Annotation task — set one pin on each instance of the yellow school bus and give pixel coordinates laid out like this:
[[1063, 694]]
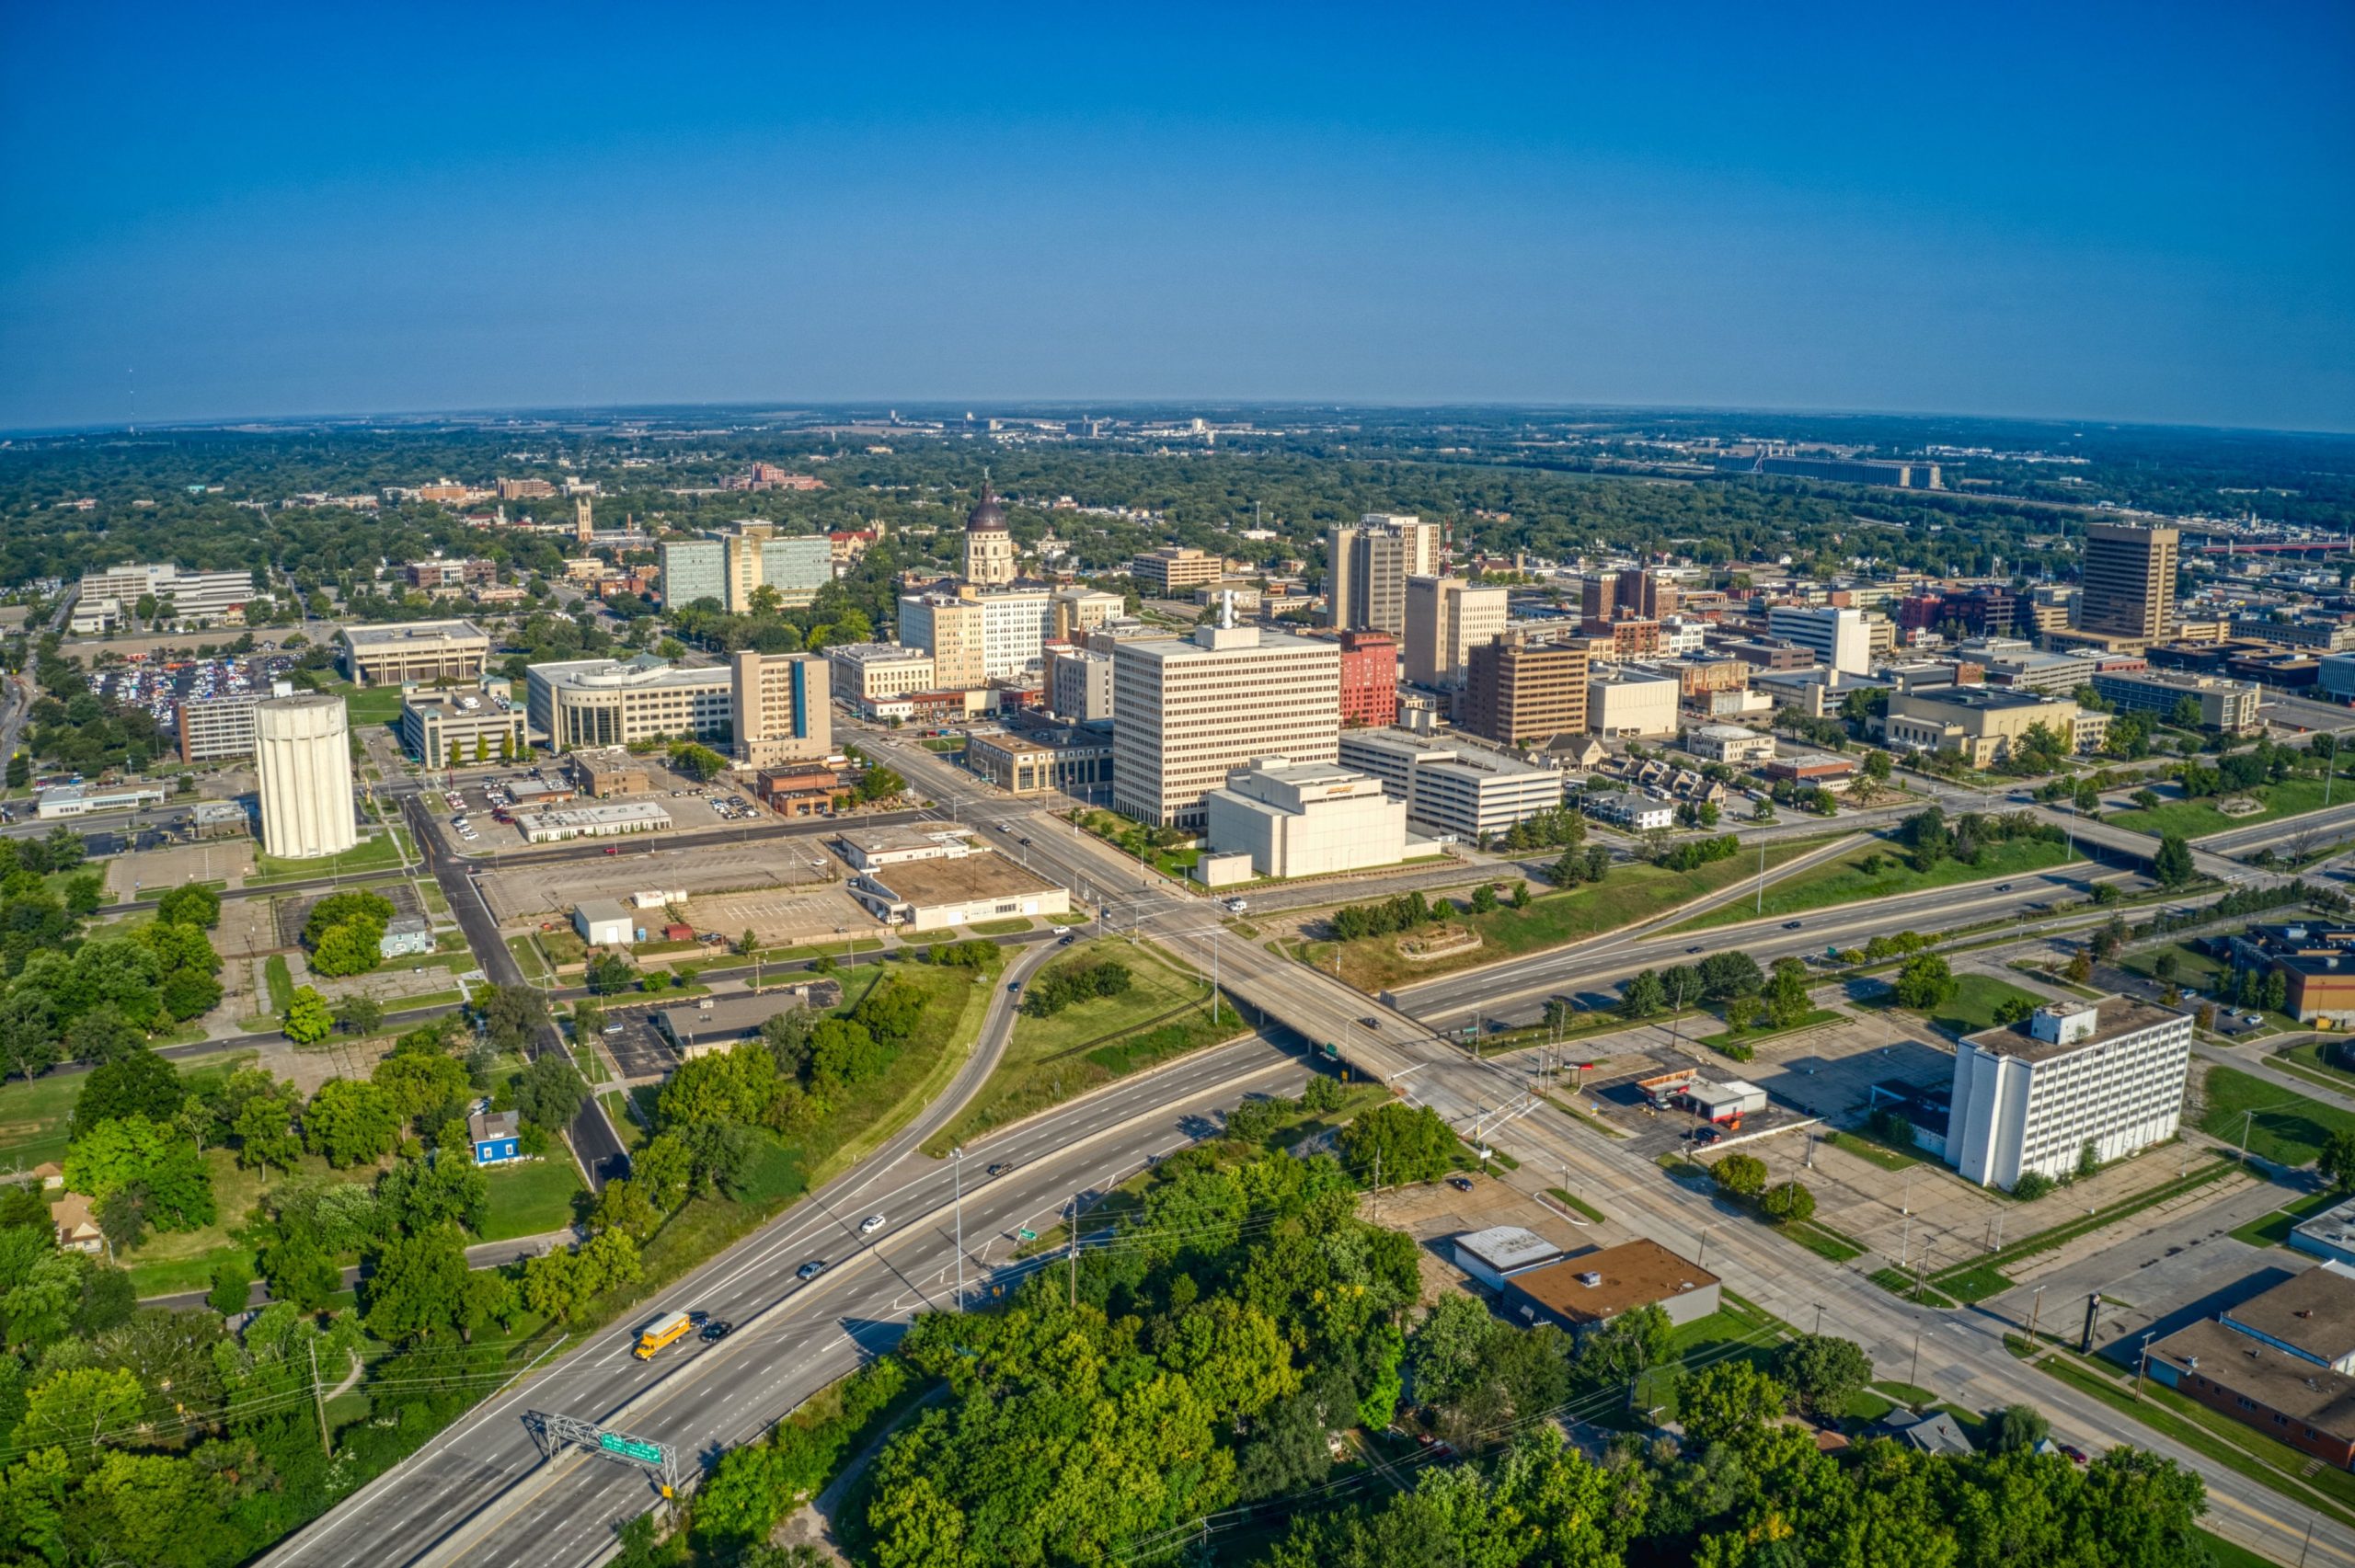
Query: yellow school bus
[[660, 1332]]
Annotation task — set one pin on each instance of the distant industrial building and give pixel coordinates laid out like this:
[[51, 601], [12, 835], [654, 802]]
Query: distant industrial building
[[1452, 785], [423, 651], [2107, 1074], [2316, 960], [603, 923], [1306, 821], [1834, 469]]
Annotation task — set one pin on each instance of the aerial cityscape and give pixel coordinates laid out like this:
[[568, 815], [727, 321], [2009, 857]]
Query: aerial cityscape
[[705, 877]]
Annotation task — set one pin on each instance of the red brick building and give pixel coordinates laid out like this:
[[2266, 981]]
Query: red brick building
[[1369, 678]]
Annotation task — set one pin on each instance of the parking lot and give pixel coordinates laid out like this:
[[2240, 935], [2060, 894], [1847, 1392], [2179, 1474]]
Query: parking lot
[[159, 866], [481, 809], [531, 892], [161, 688], [639, 1051]]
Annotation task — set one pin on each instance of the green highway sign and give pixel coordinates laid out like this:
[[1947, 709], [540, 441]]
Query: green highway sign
[[630, 1448], [1025, 1235]]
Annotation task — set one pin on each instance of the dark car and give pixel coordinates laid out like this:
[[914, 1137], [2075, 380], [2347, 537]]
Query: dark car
[[1461, 1184], [1694, 948], [811, 1269], [718, 1328], [2002, 887], [1001, 1167], [1370, 1022], [1066, 939], [1014, 985], [1793, 925], [698, 1319]]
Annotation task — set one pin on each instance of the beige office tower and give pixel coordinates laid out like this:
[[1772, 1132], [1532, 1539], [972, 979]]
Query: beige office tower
[[303, 753], [777, 708], [1189, 711], [1369, 566], [2127, 584], [1446, 619], [952, 630], [584, 519]]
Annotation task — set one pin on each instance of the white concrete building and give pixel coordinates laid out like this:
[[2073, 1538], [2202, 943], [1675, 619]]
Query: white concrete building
[[1446, 619], [878, 669], [1730, 744], [2031, 1096], [1305, 821], [591, 821], [303, 753], [895, 844], [1188, 711], [195, 598], [1452, 785], [1632, 705], [1838, 637], [1488, 1256], [60, 801], [602, 922], [1625, 809]]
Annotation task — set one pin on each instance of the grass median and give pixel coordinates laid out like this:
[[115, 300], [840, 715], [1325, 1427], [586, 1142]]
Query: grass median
[[1875, 871], [2282, 1125]]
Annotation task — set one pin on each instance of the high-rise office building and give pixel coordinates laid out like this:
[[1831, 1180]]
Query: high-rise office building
[[779, 710], [2128, 583], [978, 634], [1369, 678], [1446, 619], [1838, 637], [1645, 593], [1517, 692], [1188, 712], [729, 568], [693, 569], [1369, 566]]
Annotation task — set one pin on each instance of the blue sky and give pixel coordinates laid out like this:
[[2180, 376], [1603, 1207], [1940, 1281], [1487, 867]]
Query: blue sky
[[2141, 212]]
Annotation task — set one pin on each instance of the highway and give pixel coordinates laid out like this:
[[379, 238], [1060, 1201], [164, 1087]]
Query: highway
[[482, 1493]]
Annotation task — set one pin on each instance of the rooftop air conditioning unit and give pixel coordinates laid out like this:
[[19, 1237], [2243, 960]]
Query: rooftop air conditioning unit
[[1590, 1279]]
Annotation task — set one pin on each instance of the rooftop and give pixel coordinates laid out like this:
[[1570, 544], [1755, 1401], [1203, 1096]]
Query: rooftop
[[2321, 1398], [409, 632], [2312, 1313], [1633, 1274], [2116, 1016], [1436, 751], [1505, 1247], [1979, 697], [594, 910], [926, 883], [729, 1017]]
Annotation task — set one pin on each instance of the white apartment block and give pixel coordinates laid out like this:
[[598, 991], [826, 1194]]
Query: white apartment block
[[1452, 785], [1305, 821], [1839, 637], [1190, 711], [2030, 1097]]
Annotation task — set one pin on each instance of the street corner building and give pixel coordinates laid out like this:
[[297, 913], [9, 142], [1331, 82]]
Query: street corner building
[[2032, 1096]]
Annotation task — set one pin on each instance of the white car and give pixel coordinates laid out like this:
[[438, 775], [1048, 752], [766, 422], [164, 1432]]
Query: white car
[[872, 1223]]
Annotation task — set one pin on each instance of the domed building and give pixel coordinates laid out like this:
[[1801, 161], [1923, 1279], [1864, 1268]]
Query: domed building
[[989, 548]]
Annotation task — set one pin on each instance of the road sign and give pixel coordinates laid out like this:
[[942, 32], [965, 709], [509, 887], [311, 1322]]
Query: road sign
[[630, 1448], [1025, 1235], [1332, 1051]]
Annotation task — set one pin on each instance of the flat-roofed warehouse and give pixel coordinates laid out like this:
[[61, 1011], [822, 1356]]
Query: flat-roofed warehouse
[[939, 893], [1589, 1290], [414, 650], [715, 1023]]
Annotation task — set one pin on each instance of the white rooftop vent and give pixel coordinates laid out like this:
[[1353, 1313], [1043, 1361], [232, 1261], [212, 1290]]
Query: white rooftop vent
[[1590, 1279]]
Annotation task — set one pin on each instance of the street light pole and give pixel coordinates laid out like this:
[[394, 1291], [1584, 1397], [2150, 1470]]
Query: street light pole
[[956, 1181]]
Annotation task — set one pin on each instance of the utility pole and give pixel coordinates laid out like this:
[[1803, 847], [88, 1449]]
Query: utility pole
[[1819, 1319], [1762, 877], [2142, 1363], [1073, 1250], [319, 1402], [1914, 1377], [957, 1183], [2035, 1305]]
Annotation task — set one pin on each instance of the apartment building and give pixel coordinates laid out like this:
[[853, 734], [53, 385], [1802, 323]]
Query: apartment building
[[878, 669], [1190, 711], [693, 569], [1446, 619], [1517, 692], [2034, 1095], [414, 650], [218, 727]]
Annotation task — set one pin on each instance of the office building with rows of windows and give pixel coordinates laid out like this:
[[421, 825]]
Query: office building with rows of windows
[[2034, 1095]]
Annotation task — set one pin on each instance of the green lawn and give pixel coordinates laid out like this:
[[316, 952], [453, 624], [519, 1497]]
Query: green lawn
[[2306, 1061], [378, 854], [281, 980], [2196, 819], [1630, 895], [1866, 1146], [2286, 1129], [1972, 1005], [1846, 881], [530, 1197], [1128, 835], [2226, 1554], [1013, 925], [1813, 1018], [2274, 1230], [1163, 1013], [2192, 968], [33, 1115]]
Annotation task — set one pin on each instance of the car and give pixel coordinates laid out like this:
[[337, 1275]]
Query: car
[[718, 1328], [1694, 948], [811, 1269], [613, 848], [2252, 1017], [871, 1224], [1014, 987], [2077, 1456], [1001, 1167], [1793, 925], [2002, 887], [1065, 940], [1461, 1184], [1370, 1022], [698, 1319], [612, 1029]]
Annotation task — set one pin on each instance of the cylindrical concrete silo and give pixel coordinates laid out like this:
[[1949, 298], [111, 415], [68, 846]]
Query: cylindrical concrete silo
[[303, 750]]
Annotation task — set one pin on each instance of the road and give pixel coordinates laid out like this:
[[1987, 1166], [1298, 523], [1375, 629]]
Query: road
[[602, 1155], [1959, 1354], [2326, 825], [480, 1492]]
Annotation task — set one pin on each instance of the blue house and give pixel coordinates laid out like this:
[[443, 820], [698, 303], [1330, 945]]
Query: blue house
[[495, 1136]]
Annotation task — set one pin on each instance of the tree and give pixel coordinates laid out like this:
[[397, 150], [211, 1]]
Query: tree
[[1787, 994], [65, 848], [419, 1289], [2032, 1184], [1743, 1175], [2080, 967], [2337, 1159], [610, 973], [2014, 1010], [351, 1124], [1643, 995], [233, 1280], [1787, 1202], [140, 1084], [1823, 1372], [2017, 1429], [548, 1093], [2171, 865], [513, 1015], [1731, 974], [1727, 1402], [1923, 982], [306, 1018], [1412, 1143], [73, 1410], [165, 1176], [362, 1014], [265, 1132]]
